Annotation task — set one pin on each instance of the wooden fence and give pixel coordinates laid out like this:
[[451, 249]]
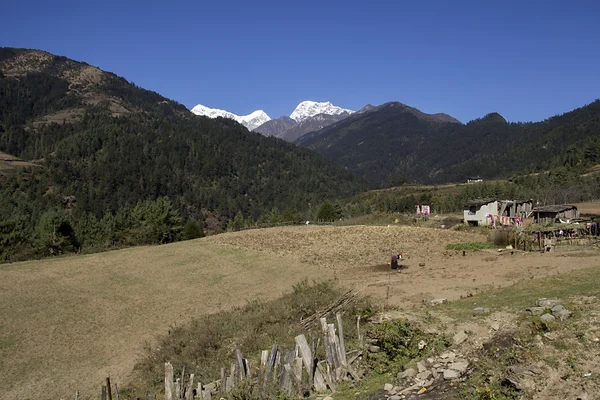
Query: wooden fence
[[293, 372]]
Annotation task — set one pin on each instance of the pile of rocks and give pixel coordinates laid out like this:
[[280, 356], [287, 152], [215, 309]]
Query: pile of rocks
[[428, 373], [549, 310]]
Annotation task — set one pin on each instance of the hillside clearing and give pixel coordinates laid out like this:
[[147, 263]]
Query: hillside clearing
[[84, 317]]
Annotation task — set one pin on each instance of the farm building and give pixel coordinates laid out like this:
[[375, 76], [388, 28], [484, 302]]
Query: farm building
[[474, 179], [564, 212], [516, 208], [476, 212]]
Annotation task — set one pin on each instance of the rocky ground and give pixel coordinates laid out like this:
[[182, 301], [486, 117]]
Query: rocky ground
[[546, 351]]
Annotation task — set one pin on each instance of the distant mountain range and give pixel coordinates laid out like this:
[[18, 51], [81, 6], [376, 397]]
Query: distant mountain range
[[250, 121], [308, 116], [392, 143]]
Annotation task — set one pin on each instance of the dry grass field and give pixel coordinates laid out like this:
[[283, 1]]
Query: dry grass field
[[10, 164], [590, 207], [66, 323]]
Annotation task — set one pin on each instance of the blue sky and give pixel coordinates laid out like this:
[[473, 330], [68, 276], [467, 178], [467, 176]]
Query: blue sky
[[527, 60]]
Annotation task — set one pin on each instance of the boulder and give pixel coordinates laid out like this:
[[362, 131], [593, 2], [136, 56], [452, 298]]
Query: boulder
[[547, 303], [450, 374], [421, 366], [409, 373], [481, 310], [560, 312], [435, 302], [448, 355], [374, 349], [424, 375], [460, 337], [460, 366], [547, 318], [535, 310], [388, 387], [557, 308]]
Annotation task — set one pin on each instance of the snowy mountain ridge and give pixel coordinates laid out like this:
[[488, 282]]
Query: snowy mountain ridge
[[250, 121], [308, 109]]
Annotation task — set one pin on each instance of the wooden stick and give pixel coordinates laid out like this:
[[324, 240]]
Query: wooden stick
[[178, 388], [116, 391], [327, 376], [360, 341], [169, 389], [223, 384], [338, 316], [103, 393], [108, 388], [292, 375], [199, 394], [189, 394], [285, 381], [241, 371]]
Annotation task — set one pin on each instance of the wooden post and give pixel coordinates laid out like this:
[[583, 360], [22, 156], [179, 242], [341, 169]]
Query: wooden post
[[76, 395], [223, 384], [199, 394], [241, 371], [247, 368], [178, 388], [103, 393], [293, 376], [272, 359], [306, 354], [360, 342], [333, 340], [338, 316], [327, 376], [189, 394], [285, 381], [328, 354], [315, 378], [116, 391], [169, 389], [108, 388]]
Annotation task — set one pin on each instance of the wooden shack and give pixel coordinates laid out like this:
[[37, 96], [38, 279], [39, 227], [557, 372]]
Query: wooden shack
[[516, 208], [555, 213]]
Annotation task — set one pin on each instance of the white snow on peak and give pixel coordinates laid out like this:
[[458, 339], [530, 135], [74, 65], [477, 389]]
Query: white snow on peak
[[250, 121], [308, 109]]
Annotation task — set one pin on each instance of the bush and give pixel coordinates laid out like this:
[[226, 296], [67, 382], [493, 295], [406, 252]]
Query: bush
[[208, 343], [399, 343]]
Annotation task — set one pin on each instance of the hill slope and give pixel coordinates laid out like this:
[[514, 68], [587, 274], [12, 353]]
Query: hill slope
[[107, 144], [391, 142]]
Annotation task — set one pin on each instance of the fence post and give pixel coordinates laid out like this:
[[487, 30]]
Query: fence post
[[169, 381], [108, 388]]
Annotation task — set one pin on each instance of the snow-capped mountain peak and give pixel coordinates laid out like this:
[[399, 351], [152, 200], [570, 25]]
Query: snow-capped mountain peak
[[250, 121], [308, 109]]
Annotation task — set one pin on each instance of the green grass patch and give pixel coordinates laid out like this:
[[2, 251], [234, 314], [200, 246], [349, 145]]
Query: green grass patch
[[524, 294], [471, 246]]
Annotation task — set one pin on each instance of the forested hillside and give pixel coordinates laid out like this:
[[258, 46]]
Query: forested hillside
[[393, 143], [118, 164]]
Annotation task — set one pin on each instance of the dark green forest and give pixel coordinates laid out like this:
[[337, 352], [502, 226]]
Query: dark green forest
[[396, 143], [154, 173], [114, 165]]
